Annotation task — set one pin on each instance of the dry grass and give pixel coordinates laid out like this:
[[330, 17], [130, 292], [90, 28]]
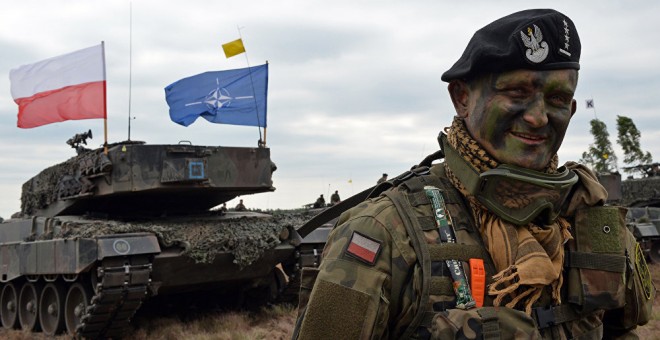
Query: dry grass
[[274, 322]]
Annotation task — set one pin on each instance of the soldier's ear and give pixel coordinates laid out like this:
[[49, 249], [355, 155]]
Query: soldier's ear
[[459, 92], [573, 107]]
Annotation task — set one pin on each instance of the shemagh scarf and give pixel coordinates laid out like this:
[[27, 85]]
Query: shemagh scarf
[[530, 257]]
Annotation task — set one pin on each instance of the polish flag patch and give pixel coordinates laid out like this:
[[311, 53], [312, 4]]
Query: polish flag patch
[[363, 248]]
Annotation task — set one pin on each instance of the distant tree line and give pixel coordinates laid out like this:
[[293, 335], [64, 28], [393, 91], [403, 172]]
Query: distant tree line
[[600, 155]]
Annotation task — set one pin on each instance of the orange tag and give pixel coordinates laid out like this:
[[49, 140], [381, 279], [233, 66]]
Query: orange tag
[[478, 280]]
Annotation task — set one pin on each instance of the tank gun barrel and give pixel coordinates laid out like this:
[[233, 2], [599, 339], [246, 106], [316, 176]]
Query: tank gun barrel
[[650, 169]]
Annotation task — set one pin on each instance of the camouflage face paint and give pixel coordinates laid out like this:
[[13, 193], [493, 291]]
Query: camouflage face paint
[[520, 117]]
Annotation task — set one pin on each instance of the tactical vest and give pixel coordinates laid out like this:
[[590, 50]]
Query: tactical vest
[[588, 264], [596, 256]]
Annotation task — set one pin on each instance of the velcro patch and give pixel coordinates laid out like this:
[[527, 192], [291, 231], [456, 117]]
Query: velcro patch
[[363, 248]]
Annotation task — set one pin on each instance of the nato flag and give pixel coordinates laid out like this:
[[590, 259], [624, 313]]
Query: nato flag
[[225, 97]]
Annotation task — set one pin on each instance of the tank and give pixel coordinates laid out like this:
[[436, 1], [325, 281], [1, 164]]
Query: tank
[[109, 229], [641, 196]]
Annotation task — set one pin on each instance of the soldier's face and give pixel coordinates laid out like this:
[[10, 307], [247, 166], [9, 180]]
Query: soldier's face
[[520, 117]]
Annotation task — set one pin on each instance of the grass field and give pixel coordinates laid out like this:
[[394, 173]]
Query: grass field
[[275, 322]]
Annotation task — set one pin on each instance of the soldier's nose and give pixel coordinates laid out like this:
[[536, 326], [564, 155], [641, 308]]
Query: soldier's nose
[[535, 115]]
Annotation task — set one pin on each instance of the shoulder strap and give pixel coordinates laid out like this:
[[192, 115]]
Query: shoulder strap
[[333, 212], [411, 224]]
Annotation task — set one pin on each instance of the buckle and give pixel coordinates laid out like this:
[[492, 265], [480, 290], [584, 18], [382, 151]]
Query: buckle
[[545, 316], [415, 171]]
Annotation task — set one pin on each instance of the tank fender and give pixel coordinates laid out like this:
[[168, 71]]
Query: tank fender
[[127, 244]]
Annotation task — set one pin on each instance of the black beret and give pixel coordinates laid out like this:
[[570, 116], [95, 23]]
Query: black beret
[[535, 39]]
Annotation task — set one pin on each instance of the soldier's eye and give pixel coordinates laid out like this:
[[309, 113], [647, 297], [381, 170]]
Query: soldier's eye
[[559, 99], [514, 92]]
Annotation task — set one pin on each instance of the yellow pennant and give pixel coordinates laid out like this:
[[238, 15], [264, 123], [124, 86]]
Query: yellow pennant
[[233, 48]]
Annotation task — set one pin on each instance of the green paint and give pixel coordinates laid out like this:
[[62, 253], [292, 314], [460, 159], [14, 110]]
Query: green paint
[[520, 117]]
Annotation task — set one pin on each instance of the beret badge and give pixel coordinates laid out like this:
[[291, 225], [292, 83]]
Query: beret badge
[[537, 49]]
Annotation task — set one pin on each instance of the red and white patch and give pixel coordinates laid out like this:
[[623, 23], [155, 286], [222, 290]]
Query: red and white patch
[[363, 248]]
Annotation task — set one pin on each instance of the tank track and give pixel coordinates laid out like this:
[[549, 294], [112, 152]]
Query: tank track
[[122, 284]]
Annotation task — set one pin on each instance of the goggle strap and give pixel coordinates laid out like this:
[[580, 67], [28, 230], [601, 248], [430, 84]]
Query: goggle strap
[[464, 171]]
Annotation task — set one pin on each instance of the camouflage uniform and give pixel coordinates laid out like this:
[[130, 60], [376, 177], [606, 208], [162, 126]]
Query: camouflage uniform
[[354, 298]]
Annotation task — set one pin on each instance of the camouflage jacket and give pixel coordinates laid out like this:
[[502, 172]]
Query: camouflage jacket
[[371, 282]]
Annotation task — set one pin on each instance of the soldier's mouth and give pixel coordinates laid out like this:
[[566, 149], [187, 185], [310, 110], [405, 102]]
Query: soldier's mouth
[[528, 138]]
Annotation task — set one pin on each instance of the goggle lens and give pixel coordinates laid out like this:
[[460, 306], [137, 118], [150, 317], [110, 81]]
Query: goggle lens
[[519, 195]]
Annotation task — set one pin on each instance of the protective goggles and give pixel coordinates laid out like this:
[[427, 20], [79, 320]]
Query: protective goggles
[[517, 195]]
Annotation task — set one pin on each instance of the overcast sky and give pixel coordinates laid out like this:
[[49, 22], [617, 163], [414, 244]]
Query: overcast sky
[[354, 86]]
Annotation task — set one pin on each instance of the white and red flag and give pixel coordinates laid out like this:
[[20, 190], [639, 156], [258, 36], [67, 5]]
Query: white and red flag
[[66, 87]]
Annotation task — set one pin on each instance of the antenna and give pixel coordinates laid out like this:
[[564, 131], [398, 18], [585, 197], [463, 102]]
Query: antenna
[[262, 142], [130, 65]]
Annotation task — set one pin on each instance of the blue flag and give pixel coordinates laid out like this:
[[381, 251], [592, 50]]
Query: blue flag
[[225, 97]]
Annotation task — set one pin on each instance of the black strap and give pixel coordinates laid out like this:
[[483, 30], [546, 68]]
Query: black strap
[[553, 315], [605, 262], [327, 215]]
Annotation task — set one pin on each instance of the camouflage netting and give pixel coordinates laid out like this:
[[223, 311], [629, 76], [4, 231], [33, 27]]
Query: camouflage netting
[[640, 190], [246, 238], [41, 190]]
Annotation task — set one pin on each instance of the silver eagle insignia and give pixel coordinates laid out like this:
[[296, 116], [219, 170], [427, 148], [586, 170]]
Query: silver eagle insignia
[[537, 49]]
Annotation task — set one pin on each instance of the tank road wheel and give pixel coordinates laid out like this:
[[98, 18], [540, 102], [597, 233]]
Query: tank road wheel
[[654, 254], [77, 300], [28, 302], [51, 309], [9, 306]]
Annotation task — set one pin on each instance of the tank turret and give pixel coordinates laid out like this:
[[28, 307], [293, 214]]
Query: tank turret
[[136, 178]]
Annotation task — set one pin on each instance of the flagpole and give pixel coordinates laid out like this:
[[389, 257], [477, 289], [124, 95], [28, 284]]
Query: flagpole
[[130, 64], [593, 106], [254, 94], [105, 103], [264, 136]]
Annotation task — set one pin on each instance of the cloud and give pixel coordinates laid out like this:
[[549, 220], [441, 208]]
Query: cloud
[[354, 91]]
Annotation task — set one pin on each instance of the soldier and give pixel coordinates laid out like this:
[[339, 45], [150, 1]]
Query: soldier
[[497, 241], [382, 179], [240, 206], [320, 202], [334, 198]]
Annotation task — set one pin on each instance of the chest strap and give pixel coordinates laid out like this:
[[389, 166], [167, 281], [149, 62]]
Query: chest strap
[[605, 262], [455, 251]]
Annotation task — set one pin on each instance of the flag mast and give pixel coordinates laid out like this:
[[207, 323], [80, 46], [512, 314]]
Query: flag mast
[[105, 103], [130, 65], [254, 95], [591, 105]]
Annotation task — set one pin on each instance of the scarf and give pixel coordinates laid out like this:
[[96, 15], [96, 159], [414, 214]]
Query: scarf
[[530, 257]]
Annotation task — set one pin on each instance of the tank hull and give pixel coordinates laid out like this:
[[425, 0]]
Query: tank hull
[[136, 260]]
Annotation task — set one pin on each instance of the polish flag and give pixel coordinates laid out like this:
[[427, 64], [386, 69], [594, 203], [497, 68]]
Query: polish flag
[[66, 87]]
